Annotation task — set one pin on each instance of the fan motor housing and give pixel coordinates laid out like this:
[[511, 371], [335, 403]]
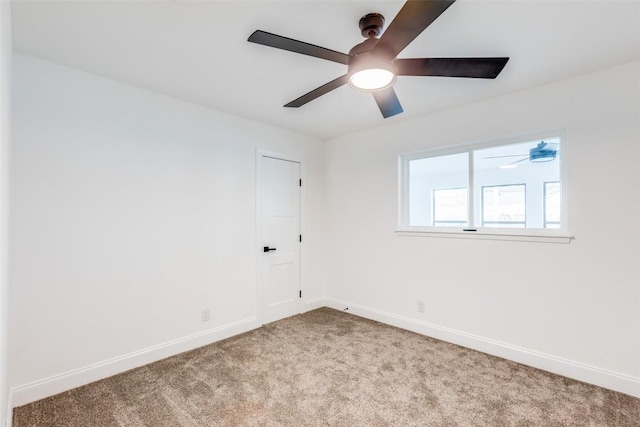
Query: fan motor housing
[[367, 59], [371, 25], [539, 156], [365, 46]]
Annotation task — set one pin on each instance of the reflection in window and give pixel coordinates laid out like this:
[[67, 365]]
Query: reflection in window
[[450, 207], [552, 204], [427, 175], [512, 184], [504, 206]]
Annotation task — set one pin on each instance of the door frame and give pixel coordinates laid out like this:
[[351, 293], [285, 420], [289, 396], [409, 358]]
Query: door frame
[[259, 300]]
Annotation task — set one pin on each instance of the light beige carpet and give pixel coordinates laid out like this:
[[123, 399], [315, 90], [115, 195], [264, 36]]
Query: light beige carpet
[[328, 368]]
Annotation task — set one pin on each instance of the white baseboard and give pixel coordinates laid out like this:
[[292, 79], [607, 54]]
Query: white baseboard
[[568, 368], [37, 390], [8, 421], [314, 304]]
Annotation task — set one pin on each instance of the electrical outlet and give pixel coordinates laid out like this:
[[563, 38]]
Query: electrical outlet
[[206, 315], [420, 306]]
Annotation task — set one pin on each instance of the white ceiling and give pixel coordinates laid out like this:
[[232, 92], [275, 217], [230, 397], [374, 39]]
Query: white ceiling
[[197, 51]]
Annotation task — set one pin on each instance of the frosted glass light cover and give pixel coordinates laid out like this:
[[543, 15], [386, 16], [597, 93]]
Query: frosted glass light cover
[[371, 79]]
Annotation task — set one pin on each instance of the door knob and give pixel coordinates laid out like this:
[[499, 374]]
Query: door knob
[[267, 249]]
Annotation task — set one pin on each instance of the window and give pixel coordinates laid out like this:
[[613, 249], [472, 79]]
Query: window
[[426, 177], [552, 205], [504, 206], [450, 207], [510, 185]]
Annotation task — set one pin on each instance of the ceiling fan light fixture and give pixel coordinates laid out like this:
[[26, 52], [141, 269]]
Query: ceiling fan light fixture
[[542, 159], [371, 64], [370, 77]]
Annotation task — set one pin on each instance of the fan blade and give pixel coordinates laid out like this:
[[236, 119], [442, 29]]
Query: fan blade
[[285, 43], [480, 68], [388, 102], [510, 155], [413, 18], [328, 87]]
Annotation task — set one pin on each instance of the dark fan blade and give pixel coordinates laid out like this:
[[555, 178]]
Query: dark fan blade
[[334, 84], [481, 68], [285, 43], [388, 102], [413, 18]]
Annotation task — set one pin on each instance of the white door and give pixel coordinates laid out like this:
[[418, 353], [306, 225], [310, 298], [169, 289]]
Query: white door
[[278, 187]]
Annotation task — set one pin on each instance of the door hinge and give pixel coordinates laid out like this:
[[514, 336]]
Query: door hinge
[[300, 237], [300, 183], [300, 294]]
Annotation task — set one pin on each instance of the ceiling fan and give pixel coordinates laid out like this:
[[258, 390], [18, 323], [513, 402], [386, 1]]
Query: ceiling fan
[[542, 152], [372, 66]]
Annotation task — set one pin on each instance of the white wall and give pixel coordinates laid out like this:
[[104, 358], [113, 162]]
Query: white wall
[[6, 49], [572, 309], [132, 212]]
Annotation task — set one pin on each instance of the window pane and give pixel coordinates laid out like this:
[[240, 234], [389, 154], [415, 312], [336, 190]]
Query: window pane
[[504, 206], [450, 207], [552, 205], [528, 163], [517, 184], [435, 173]]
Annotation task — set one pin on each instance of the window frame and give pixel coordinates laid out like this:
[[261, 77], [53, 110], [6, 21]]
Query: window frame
[[545, 235]]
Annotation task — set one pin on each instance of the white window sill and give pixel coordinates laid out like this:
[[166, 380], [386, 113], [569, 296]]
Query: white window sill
[[485, 234]]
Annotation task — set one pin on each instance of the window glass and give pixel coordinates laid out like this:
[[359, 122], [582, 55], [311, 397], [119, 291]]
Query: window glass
[[450, 207], [504, 206], [552, 205], [430, 174], [514, 184]]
